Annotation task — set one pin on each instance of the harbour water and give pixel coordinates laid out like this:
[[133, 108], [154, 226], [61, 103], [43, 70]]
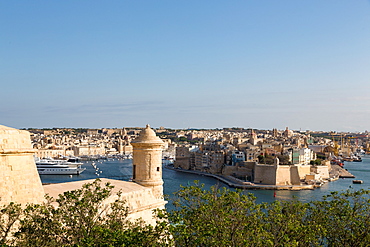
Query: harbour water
[[122, 170]]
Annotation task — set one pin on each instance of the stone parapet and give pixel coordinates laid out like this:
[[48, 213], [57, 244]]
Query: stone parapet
[[19, 179], [13, 141], [140, 200]]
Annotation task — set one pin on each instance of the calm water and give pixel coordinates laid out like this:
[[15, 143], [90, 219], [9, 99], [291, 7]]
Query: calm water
[[122, 170]]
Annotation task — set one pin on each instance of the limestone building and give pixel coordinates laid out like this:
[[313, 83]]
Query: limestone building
[[21, 183], [182, 157], [19, 179], [147, 161], [276, 174]]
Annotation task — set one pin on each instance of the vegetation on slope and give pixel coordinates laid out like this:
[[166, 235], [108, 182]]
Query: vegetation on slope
[[215, 217]]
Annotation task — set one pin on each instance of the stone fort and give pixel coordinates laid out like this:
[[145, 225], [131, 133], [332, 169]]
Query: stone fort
[[20, 182]]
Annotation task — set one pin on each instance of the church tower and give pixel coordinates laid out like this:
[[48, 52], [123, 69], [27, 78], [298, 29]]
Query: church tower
[[253, 138], [147, 161]]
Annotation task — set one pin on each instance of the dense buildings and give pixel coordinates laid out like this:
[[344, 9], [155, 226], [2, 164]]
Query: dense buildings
[[279, 157], [274, 157]]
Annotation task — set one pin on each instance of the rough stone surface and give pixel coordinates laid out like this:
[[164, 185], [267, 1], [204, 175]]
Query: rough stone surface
[[140, 200], [147, 161], [19, 179], [278, 174]]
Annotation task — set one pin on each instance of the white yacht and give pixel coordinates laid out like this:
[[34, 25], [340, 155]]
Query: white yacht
[[58, 167]]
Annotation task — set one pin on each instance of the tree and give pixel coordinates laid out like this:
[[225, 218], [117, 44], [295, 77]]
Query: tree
[[221, 217], [288, 224], [343, 218], [284, 159], [316, 162], [266, 159], [81, 218], [215, 217], [9, 217]]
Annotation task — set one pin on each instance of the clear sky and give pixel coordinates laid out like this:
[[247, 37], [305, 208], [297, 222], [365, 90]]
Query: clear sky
[[186, 64]]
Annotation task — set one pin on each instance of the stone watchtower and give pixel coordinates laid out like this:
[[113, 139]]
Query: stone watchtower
[[19, 179], [147, 161]]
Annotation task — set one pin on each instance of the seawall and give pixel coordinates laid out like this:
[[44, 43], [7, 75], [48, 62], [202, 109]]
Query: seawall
[[236, 183], [340, 172]]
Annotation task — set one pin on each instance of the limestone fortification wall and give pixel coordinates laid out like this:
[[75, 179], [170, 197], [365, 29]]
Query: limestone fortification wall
[[265, 174], [19, 179], [303, 170], [323, 171], [283, 175], [237, 170], [295, 178], [229, 170], [277, 174], [140, 200]]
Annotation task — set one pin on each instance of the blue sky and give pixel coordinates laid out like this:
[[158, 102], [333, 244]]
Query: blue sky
[[186, 64]]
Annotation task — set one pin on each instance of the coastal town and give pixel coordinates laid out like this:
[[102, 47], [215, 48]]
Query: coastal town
[[242, 158]]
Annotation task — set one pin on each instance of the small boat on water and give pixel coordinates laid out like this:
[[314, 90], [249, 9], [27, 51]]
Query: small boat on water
[[338, 162], [58, 167], [354, 157], [357, 159], [357, 181]]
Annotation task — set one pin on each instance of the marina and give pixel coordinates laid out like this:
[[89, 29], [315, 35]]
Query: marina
[[121, 169]]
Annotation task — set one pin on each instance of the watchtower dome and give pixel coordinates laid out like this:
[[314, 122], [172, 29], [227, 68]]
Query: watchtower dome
[[147, 161]]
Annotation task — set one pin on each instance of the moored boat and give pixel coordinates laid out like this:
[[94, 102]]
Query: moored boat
[[357, 181], [357, 159], [58, 167], [337, 161]]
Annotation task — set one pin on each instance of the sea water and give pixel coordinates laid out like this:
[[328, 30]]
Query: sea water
[[122, 170]]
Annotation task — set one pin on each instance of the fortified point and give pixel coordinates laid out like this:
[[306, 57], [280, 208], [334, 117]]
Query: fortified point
[[19, 179], [20, 182]]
